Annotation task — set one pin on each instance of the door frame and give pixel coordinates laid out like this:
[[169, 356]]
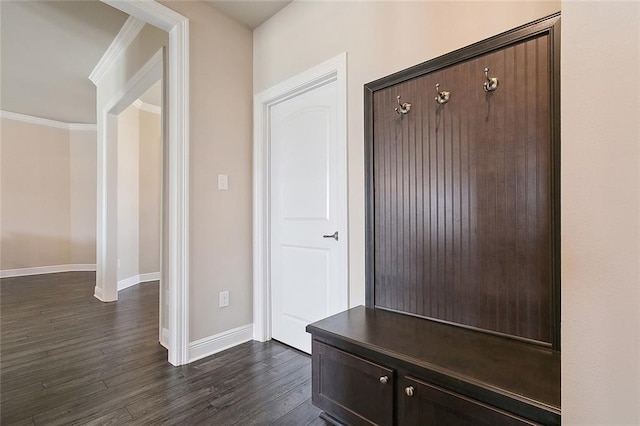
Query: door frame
[[335, 69], [177, 264]]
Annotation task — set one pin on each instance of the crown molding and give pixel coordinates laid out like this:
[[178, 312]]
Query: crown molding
[[142, 106], [123, 39], [46, 122]]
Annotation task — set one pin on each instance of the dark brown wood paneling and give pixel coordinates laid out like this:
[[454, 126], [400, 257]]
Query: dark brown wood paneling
[[463, 195]]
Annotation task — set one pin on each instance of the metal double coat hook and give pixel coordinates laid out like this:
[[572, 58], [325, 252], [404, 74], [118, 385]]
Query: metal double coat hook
[[403, 108], [442, 96]]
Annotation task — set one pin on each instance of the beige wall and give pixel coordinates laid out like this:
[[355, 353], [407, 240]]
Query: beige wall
[[601, 213], [35, 195], [128, 193], [139, 187], [82, 196], [150, 184], [379, 38], [48, 195], [220, 142]]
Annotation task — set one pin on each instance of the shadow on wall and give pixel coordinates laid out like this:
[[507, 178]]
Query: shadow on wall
[[27, 250]]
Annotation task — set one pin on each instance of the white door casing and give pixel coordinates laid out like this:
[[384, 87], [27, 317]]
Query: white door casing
[[300, 194], [177, 171]]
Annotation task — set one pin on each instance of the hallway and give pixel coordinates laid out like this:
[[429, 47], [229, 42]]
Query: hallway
[[68, 358]]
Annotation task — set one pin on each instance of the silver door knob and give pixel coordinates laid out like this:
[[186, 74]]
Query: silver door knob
[[409, 390], [384, 380], [334, 236]]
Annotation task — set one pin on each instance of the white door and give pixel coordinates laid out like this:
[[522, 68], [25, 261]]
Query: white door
[[308, 207]]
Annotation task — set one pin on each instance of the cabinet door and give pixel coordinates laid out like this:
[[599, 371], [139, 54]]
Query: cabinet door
[[424, 404], [351, 389]]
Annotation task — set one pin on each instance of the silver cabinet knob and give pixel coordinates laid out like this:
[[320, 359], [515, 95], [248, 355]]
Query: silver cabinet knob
[[409, 390], [384, 380]]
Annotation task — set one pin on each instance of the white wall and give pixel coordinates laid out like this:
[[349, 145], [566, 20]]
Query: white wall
[[128, 193], [601, 213], [150, 188]]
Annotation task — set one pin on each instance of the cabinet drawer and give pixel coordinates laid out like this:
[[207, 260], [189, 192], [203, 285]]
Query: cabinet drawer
[[431, 405], [354, 390]]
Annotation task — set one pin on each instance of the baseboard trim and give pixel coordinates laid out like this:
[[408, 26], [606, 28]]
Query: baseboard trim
[[98, 294], [39, 270], [164, 338], [219, 342], [137, 279]]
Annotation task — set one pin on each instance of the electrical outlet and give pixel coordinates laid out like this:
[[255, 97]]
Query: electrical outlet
[[118, 263], [224, 299]]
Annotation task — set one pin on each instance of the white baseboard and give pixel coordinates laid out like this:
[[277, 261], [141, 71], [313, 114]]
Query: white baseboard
[[137, 279], [164, 338], [219, 342], [98, 294], [52, 269]]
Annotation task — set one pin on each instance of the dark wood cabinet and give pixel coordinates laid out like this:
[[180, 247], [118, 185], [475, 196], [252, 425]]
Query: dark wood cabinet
[[354, 389], [421, 403]]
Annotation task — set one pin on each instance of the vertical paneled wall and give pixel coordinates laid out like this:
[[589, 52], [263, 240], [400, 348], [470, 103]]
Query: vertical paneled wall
[[462, 194]]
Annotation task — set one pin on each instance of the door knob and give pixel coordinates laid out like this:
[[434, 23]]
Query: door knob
[[384, 380], [334, 236], [409, 390]]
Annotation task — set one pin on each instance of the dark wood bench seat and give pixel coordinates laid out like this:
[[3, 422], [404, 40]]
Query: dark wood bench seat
[[510, 375]]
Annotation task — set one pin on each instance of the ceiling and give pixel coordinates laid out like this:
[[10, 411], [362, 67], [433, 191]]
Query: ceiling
[[250, 13], [48, 50]]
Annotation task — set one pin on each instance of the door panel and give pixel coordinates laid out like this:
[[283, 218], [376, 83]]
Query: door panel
[[308, 272], [304, 164], [307, 280]]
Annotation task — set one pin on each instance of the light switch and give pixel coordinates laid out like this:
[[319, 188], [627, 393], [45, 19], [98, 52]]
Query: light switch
[[223, 182]]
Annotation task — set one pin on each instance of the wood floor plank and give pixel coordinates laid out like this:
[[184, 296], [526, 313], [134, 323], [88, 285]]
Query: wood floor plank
[[279, 407], [112, 418], [67, 358], [303, 414]]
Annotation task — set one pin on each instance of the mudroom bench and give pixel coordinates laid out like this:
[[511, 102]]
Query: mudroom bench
[[372, 366]]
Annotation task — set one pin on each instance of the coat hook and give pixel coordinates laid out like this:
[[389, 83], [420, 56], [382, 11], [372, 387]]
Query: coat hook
[[491, 83], [403, 108], [443, 97]]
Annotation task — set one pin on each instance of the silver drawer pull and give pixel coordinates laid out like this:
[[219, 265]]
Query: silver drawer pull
[[384, 380], [409, 390], [334, 236]]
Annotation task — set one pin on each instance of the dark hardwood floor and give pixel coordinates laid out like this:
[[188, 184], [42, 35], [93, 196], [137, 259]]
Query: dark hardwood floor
[[67, 358]]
